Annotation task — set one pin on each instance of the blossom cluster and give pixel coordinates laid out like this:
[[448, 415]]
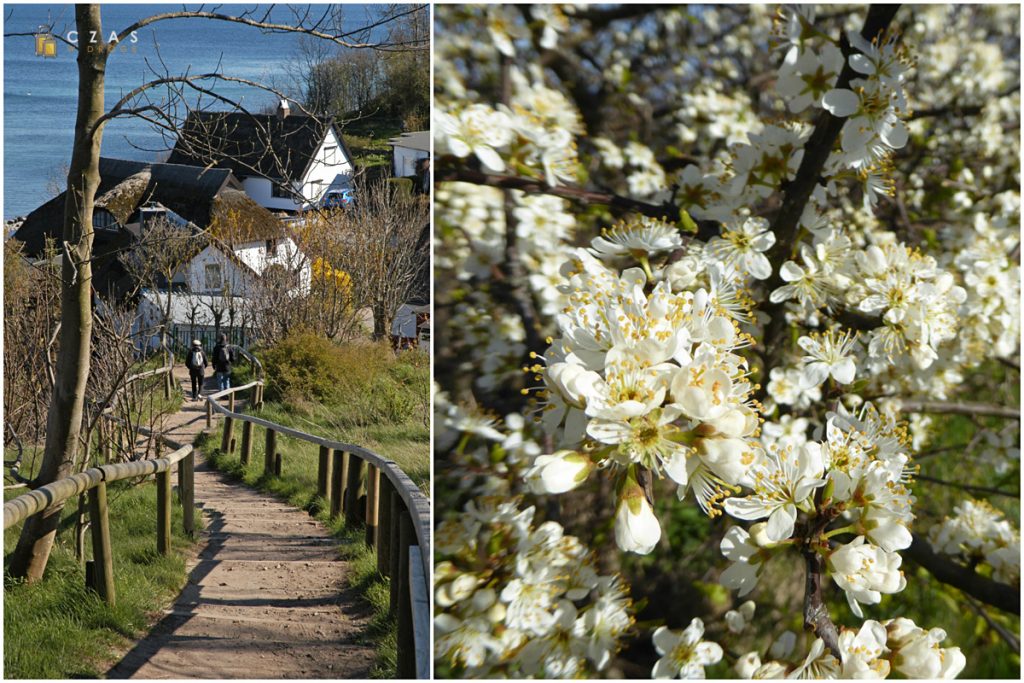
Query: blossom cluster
[[518, 599], [977, 532], [875, 650], [644, 379]]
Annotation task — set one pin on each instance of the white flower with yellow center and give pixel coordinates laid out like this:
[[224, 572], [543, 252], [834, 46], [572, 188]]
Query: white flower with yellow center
[[782, 482], [741, 249], [829, 355], [639, 237], [864, 572], [684, 654]]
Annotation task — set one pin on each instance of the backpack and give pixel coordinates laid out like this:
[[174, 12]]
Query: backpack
[[223, 356], [197, 359]]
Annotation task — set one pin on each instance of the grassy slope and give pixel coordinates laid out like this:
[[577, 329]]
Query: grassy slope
[[59, 629], [406, 441]]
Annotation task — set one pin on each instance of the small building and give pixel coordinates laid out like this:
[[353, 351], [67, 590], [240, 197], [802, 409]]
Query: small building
[[410, 157], [411, 325], [285, 161]]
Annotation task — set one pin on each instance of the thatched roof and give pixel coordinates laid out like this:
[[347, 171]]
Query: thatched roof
[[205, 197], [235, 218], [253, 144]]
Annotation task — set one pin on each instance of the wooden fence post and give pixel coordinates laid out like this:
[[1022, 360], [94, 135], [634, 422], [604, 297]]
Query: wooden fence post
[[339, 471], [323, 474], [277, 463], [229, 428], [167, 385], [354, 479], [209, 414], [384, 526], [270, 448], [246, 455], [406, 639], [397, 510], [231, 402], [372, 489], [163, 512], [103, 561], [188, 493]]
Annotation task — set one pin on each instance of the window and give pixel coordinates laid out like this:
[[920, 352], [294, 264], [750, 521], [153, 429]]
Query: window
[[331, 155], [213, 277], [280, 191], [103, 220], [316, 187]]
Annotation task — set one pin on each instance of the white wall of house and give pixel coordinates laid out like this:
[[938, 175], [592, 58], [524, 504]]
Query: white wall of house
[[331, 168], [404, 160], [260, 190], [283, 251], [199, 274]]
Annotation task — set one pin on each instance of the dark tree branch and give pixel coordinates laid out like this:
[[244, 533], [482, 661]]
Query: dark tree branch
[[960, 408], [247, 19], [1000, 595], [968, 487], [1005, 634], [798, 192], [447, 172], [816, 616], [955, 109]]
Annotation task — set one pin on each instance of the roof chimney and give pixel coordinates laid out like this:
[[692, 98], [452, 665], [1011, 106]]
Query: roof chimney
[[283, 109]]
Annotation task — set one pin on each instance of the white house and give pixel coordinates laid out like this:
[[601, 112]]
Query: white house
[[235, 270], [285, 161], [406, 150]]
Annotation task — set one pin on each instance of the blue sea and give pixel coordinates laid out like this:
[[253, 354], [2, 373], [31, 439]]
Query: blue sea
[[40, 93]]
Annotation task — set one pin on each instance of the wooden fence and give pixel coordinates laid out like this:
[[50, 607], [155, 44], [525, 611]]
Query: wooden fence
[[100, 575], [368, 490]]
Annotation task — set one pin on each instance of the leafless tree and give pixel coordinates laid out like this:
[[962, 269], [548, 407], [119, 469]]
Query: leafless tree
[[382, 247]]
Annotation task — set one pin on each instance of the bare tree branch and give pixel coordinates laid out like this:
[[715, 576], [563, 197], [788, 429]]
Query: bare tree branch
[[1000, 595], [958, 408]]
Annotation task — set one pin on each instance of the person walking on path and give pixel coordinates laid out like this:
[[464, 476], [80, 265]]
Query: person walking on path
[[196, 362], [222, 360]]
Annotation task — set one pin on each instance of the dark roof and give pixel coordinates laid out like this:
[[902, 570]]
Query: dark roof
[[419, 140], [253, 144], [208, 198]]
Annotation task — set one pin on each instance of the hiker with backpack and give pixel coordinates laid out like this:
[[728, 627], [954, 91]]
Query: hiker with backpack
[[196, 362], [222, 360]]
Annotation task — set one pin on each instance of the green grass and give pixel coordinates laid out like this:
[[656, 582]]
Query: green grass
[[57, 628]]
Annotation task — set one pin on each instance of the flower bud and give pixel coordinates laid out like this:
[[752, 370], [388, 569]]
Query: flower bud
[[557, 473], [636, 527]]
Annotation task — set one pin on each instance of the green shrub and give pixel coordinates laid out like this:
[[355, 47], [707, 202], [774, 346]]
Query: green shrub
[[362, 383], [301, 367]]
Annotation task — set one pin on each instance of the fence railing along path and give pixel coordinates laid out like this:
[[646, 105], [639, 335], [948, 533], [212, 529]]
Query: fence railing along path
[[369, 490]]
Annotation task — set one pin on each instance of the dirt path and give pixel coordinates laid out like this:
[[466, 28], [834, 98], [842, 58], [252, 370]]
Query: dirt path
[[265, 597]]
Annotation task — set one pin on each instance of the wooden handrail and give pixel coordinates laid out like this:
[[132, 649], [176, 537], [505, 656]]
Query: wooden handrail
[[24, 506]]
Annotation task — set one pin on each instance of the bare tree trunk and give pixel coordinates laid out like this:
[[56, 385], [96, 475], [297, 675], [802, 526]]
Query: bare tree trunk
[[64, 418]]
